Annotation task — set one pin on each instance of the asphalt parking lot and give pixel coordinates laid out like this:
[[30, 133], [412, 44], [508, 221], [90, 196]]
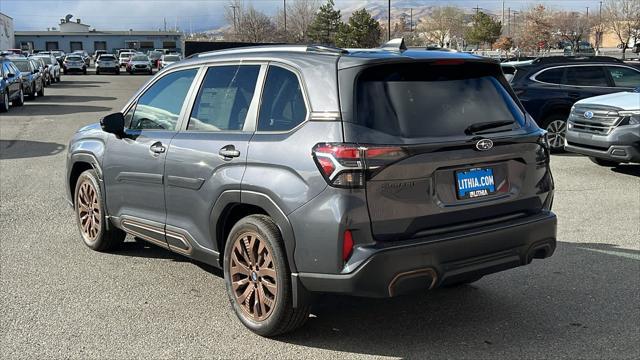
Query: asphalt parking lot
[[60, 299]]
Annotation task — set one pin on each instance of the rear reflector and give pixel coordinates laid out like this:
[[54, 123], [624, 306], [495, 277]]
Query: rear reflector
[[347, 245]]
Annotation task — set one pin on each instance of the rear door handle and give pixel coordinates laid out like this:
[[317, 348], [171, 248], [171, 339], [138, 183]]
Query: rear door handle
[[157, 148], [229, 152], [574, 95]]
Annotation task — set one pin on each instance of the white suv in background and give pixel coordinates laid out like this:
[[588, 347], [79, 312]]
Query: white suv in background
[[124, 58], [606, 128]]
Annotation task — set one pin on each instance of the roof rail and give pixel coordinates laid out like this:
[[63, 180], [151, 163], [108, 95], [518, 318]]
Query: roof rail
[[327, 49], [396, 44], [561, 59], [272, 48]]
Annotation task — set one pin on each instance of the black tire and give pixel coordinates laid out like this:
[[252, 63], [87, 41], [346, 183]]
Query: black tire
[[20, 100], [4, 105], [282, 316], [84, 71], [150, 72], [118, 71], [99, 238], [32, 94], [603, 162], [97, 71], [65, 71], [463, 281], [556, 127], [58, 78], [41, 92]]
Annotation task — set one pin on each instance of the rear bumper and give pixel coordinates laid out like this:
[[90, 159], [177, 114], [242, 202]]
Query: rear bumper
[[428, 263]]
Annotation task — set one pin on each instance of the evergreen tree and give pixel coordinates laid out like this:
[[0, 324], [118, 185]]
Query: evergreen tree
[[484, 29], [324, 28], [362, 31]]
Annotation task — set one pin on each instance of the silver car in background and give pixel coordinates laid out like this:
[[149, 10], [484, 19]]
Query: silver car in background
[[167, 60], [52, 66], [606, 128], [107, 62]]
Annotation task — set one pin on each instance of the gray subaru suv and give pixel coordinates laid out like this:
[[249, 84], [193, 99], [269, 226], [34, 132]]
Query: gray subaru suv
[[303, 170]]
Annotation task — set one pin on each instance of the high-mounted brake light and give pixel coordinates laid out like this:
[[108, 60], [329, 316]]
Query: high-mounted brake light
[[448, 62], [348, 165]]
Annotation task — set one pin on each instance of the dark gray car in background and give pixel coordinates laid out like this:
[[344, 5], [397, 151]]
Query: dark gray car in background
[[302, 170]]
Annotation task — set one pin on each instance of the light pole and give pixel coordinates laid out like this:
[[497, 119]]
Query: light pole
[[389, 22], [285, 14], [235, 29]]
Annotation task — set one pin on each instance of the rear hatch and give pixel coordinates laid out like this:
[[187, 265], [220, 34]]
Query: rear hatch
[[445, 147]]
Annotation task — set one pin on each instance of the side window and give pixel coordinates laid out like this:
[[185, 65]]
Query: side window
[[624, 77], [224, 98], [586, 76], [8, 69], [159, 107], [551, 76], [282, 106]]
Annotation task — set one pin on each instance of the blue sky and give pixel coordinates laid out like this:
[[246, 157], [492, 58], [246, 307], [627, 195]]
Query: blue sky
[[203, 14]]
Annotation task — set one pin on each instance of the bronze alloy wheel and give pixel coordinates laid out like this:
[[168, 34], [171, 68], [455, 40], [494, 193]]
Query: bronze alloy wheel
[[88, 208], [253, 276]]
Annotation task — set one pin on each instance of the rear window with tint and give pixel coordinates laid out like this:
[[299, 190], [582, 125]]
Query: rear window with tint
[[107, 57], [586, 76], [73, 58], [418, 100], [552, 76]]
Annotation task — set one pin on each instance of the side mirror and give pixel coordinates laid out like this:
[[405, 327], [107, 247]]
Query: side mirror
[[113, 123], [10, 75]]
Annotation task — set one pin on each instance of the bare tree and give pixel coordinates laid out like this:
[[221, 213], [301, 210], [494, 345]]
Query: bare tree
[[623, 19], [572, 27], [300, 15], [249, 24], [534, 29], [444, 24]]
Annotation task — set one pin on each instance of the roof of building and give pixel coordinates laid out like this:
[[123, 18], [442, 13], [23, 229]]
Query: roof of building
[[97, 33]]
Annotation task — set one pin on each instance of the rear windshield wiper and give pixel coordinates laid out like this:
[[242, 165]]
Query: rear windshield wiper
[[474, 128]]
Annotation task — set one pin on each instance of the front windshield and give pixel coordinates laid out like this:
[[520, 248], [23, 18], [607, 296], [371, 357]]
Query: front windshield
[[140, 58], [22, 65], [47, 60]]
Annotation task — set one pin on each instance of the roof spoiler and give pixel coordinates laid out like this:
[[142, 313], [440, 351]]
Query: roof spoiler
[[396, 44]]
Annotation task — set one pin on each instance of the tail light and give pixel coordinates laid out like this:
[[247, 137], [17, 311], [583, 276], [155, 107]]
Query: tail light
[[349, 165]]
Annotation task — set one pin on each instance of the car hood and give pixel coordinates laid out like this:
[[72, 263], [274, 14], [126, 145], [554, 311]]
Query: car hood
[[623, 100]]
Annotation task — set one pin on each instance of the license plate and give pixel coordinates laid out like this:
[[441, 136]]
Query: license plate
[[474, 183]]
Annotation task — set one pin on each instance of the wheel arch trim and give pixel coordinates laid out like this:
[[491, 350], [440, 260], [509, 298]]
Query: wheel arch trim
[[263, 201]]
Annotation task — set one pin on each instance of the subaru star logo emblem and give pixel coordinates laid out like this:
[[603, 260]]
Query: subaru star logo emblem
[[588, 114], [484, 144]]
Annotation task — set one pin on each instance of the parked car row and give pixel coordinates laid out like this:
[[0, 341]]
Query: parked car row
[[23, 77], [587, 105]]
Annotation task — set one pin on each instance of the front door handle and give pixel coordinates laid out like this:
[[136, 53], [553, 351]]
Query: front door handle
[[229, 152], [157, 148]]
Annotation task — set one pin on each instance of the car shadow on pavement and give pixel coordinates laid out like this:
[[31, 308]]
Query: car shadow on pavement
[[73, 98], [21, 149], [143, 249], [536, 311], [69, 85], [34, 109], [633, 170], [79, 82]]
